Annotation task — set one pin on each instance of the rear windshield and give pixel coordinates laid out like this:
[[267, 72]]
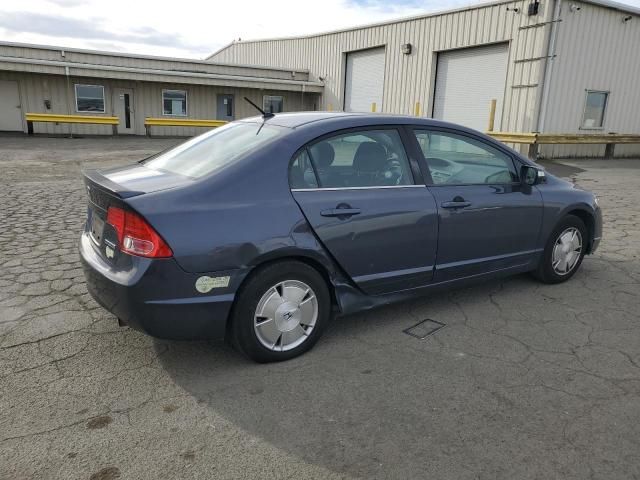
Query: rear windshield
[[215, 149]]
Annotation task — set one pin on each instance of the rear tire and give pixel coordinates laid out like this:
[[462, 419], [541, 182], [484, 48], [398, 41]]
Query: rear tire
[[280, 312], [563, 252]]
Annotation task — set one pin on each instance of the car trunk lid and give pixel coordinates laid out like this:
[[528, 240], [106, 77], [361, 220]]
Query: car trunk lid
[[112, 188]]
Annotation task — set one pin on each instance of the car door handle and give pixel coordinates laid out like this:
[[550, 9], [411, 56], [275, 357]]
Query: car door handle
[[340, 212], [455, 204]]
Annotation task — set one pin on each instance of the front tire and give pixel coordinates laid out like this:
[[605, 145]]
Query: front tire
[[564, 251], [280, 312]]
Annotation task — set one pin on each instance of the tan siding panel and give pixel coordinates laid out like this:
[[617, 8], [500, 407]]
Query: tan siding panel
[[201, 102]]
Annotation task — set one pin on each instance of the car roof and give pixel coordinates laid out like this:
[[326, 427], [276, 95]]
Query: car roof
[[315, 124], [343, 119]]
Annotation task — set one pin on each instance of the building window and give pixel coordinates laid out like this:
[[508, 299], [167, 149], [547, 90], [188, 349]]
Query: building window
[[272, 103], [594, 109], [174, 102], [89, 98]]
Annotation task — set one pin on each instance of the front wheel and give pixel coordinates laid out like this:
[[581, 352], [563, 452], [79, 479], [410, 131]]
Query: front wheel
[[563, 252], [280, 312]]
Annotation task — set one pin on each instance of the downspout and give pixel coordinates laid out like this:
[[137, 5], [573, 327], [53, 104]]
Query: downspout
[[68, 89], [551, 55]]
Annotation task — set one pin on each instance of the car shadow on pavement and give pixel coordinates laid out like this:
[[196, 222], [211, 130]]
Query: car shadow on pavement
[[371, 401]]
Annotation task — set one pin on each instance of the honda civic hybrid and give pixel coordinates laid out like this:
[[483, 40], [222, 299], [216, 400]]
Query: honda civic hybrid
[[263, 230]]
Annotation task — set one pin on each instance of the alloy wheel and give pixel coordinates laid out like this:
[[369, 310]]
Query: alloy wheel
[[285, 315], [567, 251]]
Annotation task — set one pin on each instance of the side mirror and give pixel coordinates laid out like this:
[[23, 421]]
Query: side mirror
[[531, 175]]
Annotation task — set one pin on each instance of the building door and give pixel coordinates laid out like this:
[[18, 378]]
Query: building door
[[466, 82], [10, 109], [225, 108], [364, 80], [123, 109]]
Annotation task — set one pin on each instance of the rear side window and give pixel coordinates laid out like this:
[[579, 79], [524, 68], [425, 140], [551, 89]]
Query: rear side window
[[215, 149], [455, 159], [301, 173], [371, 158]]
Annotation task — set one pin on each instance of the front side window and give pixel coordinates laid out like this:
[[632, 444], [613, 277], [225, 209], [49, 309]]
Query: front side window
[[371, 158], [594, 108], [272, 103], [90, 98], [455, 159], [174, 102], [215, 149]]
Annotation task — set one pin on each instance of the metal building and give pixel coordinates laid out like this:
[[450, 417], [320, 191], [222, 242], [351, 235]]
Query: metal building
[[133, 88], [555, 66]]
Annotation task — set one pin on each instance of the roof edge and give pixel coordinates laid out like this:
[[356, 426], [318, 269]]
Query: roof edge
[[146, 57]]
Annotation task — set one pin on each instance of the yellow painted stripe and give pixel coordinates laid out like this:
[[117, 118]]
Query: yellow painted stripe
[[49, 117], [564, 138], [509, 137], [587, 138], [182, 122]]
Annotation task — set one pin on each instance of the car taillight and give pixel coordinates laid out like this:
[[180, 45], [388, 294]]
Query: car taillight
[[135, 235]]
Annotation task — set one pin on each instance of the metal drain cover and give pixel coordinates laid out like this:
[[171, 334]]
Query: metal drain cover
[[424, 328]]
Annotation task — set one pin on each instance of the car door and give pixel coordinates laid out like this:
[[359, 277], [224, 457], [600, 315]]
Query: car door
[[357, 190], [488, 220]]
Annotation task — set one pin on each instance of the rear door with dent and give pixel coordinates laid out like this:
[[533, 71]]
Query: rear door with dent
[[362, 193]]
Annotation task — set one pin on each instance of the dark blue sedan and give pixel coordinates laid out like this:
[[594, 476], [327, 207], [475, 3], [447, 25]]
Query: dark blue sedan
[[262, 230]]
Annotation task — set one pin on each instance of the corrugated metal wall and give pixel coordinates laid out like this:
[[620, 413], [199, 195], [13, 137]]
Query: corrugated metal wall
[[596, 50], [147, 101], [410, 78]]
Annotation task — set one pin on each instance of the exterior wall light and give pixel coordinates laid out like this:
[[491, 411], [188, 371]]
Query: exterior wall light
[[406, 48]]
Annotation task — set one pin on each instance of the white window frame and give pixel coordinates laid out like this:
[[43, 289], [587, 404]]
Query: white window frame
[[264, 98], [604, 113], [104, 98], [186, 103]]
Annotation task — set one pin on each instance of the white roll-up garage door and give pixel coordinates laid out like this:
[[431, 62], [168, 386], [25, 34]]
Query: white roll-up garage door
[[364, 81], [466, 82]]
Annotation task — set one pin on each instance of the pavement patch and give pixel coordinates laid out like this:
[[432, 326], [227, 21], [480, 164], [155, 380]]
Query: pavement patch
[[424, 328]]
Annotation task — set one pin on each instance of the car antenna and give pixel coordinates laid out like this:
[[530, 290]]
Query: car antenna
[[265, 115]]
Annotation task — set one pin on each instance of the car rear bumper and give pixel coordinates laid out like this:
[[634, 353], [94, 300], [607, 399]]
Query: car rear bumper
[[158, 297]]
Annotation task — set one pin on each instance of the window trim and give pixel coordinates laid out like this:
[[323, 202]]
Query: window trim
[[604, 113], [517, 164], [317, 189], [264, 97], [399, 128], [104, 98], [186, 103]]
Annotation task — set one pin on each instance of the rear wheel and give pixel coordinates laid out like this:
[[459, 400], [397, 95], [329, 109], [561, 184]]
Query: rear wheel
[[280, 312], [563, 252]]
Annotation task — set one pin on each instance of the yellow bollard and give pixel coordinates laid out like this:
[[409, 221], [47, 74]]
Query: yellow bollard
[[492, 114], [416, 110], [373, 107]]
